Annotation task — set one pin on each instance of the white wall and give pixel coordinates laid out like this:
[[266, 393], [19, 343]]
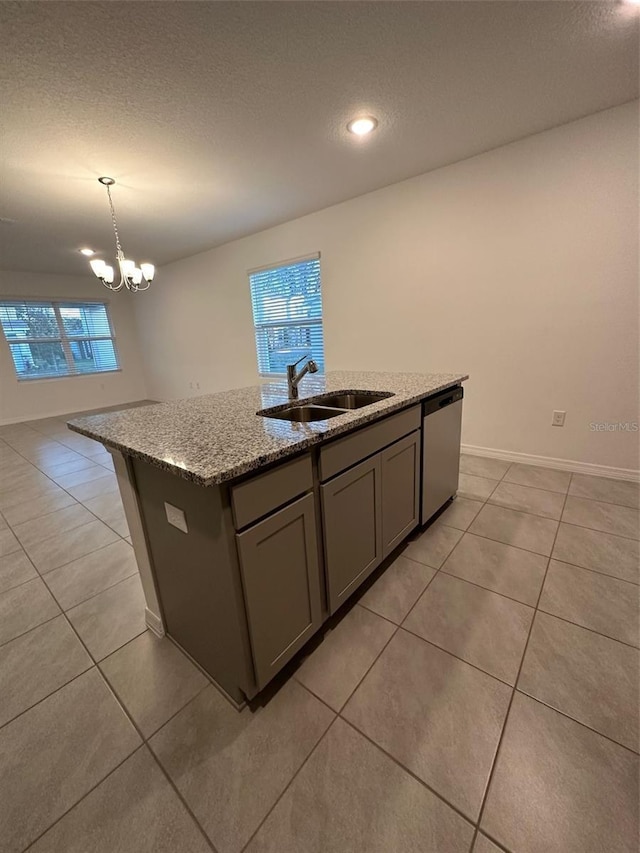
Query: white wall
[[519, 266], [39, 398]]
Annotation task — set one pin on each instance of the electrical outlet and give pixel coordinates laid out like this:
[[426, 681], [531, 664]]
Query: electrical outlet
[[558, 419], [176, 517]]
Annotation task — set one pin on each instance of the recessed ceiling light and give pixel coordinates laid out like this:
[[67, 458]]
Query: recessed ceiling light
[[363, 125], [87, 252]]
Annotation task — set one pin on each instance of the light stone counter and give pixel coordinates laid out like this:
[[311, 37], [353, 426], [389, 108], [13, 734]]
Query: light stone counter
[[218, 437]]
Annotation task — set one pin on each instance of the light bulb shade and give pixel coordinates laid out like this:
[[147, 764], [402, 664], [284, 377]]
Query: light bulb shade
[[136, 275], [148, 271], [107, 274], [98, 266], [127, 267]]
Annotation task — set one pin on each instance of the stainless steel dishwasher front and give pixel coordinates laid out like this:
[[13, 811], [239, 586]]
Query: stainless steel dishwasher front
[[441, 426]]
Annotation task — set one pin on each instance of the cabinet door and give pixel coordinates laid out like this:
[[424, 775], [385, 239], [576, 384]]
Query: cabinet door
[[352, 516], [281, 579], [400, 490]]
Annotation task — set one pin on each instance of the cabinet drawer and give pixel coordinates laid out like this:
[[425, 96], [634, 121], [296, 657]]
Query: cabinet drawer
[[267, 492], [344, 452], [281, 580]]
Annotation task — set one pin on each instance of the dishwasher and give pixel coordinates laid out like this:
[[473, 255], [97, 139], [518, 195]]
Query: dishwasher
[[441, 425]]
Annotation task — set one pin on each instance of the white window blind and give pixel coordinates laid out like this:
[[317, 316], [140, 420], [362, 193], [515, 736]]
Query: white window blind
[[287, 314], [51, 339]]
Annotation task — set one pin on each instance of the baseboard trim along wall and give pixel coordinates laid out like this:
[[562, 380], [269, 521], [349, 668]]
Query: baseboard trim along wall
[[153, 622], [550, 462]]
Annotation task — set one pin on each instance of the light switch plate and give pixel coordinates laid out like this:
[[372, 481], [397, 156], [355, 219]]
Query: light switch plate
[[176, 517]]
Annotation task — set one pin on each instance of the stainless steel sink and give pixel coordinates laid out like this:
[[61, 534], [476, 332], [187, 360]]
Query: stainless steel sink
[[303, 414], [352, 401], [326, 406]]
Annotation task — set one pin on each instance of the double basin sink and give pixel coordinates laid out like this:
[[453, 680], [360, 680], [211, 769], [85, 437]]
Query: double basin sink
[[326, 406]]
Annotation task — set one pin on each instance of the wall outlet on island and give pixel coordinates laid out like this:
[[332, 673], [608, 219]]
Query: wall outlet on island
[[176, 517], [194, 386], [558, 419]]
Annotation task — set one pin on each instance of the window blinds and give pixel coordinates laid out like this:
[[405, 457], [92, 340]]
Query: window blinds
[[50, 339], [287, 314]]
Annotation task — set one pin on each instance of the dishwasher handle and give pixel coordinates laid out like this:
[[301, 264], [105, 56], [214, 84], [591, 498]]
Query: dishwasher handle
[[442, 400]]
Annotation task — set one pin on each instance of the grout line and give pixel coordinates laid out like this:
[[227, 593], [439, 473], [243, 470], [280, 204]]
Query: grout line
[[373, 663], [66, 530], [602, 501], [605, 532], [44, 514], [562, 493], [33, 627], [95, 665], [91, 665], [339, 713], [294, 777], [408, 771], [22, 583], [475, 666], [93, 787], [94, 594], [496, 755], [579, 722], [586, 628], [185, 804], [145, 743], [521, 511], [367, 671], [450, 574], [498, 845], [600, 572], [519, 547], [147, 738], [95, 551]]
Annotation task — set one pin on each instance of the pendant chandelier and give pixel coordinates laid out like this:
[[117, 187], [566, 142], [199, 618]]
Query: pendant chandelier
[[132, 277]]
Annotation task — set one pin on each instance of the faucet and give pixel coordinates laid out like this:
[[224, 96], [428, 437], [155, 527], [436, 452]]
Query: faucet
[[293, 378]]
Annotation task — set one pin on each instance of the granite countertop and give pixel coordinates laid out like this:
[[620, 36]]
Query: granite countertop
[[218, 437]]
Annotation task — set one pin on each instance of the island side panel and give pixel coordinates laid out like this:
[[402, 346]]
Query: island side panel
[[128, 493], [197, 575]]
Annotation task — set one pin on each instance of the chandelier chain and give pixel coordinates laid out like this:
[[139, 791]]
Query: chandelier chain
[[113, 220]]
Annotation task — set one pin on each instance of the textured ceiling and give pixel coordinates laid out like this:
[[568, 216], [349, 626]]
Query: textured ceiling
[[220, 119]]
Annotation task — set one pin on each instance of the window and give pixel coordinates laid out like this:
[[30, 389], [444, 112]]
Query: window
[[50, 339], [287, 314]]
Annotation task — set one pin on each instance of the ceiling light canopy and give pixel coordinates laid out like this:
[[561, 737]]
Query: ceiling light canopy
[[363, 125], [87, 252], [131, 276]]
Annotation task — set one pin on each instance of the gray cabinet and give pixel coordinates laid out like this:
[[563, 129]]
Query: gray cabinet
[[352, 517], [400, 466], [281, 580], [367, 511]]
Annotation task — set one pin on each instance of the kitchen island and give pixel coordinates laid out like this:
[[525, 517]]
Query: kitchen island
[[249, 528]]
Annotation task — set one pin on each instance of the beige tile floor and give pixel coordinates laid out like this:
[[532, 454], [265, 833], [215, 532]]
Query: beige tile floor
[[481, 695]]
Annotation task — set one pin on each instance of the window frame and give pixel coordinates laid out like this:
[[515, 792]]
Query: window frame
[[262, 328], [62, 338]]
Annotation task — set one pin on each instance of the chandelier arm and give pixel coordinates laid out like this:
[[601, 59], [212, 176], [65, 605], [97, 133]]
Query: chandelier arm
[[109, 286]]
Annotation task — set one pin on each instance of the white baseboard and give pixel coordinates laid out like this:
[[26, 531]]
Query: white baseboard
[[550, 462], [153, 622]]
